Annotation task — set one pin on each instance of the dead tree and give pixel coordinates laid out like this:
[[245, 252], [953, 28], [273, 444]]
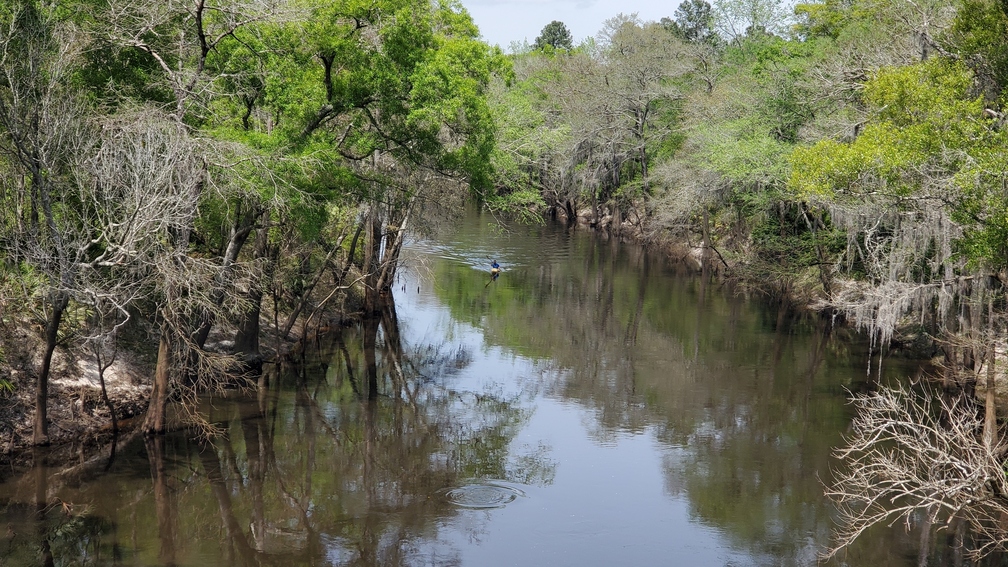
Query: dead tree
[[912, 455], [42, 136]]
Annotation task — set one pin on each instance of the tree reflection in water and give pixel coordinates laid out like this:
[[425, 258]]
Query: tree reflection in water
[[346, 457], [354, 465], [746, 399], [343, 459], [164, 502]]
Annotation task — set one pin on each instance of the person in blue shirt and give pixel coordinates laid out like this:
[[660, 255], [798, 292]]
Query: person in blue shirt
[[495, 271]]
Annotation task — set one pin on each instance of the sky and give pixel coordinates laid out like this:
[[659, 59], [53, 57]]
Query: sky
[[504, 21]]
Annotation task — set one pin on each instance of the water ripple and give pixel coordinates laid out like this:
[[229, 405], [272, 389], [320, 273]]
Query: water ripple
[[483, 494]]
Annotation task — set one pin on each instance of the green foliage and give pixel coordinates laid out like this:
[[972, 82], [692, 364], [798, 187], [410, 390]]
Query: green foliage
[[934, 92], [836, 19], [526, 141], [744, 154], [782, 240], [928, 129], [112, 75], [693, 22], [920, 112], [763, 104], [430, 72], [982, 208], [980, 34], [555, 35], [822, 19]]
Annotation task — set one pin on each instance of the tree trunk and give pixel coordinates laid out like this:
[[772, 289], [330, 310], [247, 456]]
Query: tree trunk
[[705, 251], [990, 433], [824, 277], [246, 344], [40, 434], [616, 223], [240, 232], [596, 218], [642, 150], [106, 400], [370, 267], [154, 422], [393, 247]]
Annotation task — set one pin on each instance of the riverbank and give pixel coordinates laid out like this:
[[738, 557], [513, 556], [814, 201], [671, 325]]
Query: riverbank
[[78, 417], [79, 420], [725, 260]]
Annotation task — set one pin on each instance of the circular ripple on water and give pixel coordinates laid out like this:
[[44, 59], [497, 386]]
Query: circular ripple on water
[[483, 495]]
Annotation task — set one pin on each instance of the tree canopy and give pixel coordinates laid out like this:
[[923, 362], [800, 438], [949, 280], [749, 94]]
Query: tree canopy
[[147, 143], [556, 35]]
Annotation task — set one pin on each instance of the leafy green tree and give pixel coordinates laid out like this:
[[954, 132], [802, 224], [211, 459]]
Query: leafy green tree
[[916, 186], [980, 35], [403, 117], [694, 22], [556, 35], [737, 19], [528, 141]]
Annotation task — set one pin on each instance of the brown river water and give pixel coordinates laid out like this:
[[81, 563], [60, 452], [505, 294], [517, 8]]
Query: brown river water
[[592, 405]]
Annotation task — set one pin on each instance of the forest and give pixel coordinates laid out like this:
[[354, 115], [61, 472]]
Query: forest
[[198, 181]]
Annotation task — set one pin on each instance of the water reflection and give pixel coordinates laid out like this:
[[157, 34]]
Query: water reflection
[[355, 471], [345, 459], [746, 401], [164, 502], [590, 407]]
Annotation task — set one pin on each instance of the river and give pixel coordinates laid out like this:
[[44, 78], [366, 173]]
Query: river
[[593, 405]]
